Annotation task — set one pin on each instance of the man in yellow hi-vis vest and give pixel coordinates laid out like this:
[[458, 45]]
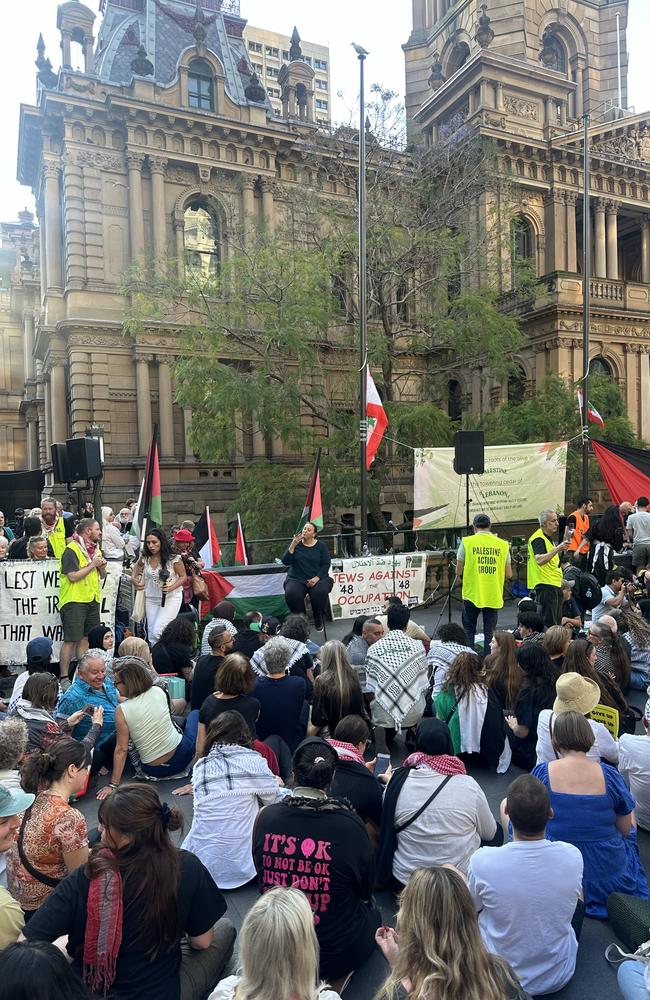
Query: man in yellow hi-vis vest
[[545, 574], [483, 561], [82, 568]]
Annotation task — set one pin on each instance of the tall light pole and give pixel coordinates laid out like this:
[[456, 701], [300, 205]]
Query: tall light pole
[[363, 309], [586, 302]]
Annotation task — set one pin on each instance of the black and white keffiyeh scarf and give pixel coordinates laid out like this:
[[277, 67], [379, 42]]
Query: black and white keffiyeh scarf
[[232, 770], [299, 649], [397, 673]]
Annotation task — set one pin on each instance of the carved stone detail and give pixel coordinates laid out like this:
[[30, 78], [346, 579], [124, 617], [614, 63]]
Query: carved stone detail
[[520, 108], [105, 160], [633, 146], [134, 161], [157, 164]]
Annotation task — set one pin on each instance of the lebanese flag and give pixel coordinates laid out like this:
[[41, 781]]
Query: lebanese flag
[[207, 542], [376, 417], [626, 471], [241, 554], [313, 509], [593, 416]]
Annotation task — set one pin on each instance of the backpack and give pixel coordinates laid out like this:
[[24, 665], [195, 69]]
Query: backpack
[[586, 590]]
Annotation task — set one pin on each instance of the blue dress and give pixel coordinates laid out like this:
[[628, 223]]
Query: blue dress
[[611, 861]]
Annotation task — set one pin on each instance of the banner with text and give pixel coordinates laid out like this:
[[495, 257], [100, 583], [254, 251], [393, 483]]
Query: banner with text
[[519, 481], [29, 606], [362, 585]]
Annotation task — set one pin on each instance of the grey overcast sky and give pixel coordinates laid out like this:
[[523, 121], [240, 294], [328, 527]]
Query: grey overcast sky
[[380, 25]]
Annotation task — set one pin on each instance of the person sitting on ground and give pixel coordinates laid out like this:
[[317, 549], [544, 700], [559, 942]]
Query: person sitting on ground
[[524, 605], [13, 747], [451, 639], [278, 952], [300, 661], [308, 561], [581, 659], [127, 910], [33, 529], [473, 714], [53, 838], [233, 684], [174, 651], [38, 969], [614, 593], [144, 718], [611, 653], [39, 656], [329, 831], [247, 640], [365, 632], [337, 691], [592, 809], [413, 630], [230, 782], [354, 779], [13, 804], [433, 812], [437, 941], [637, 633], [527, 893], [531, 627], [571, 614], [220, 644], [223, 614], [133, 645], [556, 642], [91, 688], [283, 709], [503, 674], [102, 637], [37, 710], [396, 669], [634, 766], [536, 693], [575, 693]]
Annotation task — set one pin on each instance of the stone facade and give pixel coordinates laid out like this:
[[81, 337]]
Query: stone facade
[[525, 74]]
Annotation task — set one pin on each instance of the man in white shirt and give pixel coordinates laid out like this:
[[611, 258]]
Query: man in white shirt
[[634, 765], [528, 893], [613, 596], [638, 530]]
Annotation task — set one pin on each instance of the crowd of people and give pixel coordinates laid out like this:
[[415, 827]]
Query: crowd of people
[[290, 752]]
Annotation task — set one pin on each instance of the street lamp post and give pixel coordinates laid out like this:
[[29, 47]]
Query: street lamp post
[[363, 309], [586, 303]]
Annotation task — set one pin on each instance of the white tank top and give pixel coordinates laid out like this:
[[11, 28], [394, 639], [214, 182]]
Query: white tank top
[[150, 725], [152, 584]]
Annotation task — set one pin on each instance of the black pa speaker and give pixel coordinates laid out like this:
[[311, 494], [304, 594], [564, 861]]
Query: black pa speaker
[[469, 453], [60, 468], [84, 458]]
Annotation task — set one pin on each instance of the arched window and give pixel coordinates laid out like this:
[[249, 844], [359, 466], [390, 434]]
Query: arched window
[[522, 248], [458, 58], [202, 246], [200, 85], [553, 54], [516, 386], [600, 366], [454, 400]]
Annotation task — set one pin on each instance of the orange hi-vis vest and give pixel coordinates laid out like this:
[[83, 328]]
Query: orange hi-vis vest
[[582, 527]]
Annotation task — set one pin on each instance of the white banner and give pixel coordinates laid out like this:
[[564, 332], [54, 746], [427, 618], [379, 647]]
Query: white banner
[[519, 481], [29, 606], [362, 585]]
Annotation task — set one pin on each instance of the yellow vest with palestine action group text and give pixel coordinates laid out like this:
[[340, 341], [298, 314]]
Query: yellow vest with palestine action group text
[[484, 572], [83, 591], [550, 573]]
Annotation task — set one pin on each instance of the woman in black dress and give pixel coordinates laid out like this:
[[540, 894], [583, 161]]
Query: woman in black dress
[[309, 563]]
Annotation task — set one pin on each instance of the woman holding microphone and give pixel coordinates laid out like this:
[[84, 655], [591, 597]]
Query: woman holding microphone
[[161, 575], [309, 562]]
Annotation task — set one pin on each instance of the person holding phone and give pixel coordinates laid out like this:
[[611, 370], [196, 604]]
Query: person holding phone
[[544, 574]]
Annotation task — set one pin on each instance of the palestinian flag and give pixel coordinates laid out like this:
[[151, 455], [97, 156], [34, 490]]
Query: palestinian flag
[[149, 506], [626, 471], [313, 509], [593, 416], [376, 417], [256, 588], [207, 542], [241, 552]]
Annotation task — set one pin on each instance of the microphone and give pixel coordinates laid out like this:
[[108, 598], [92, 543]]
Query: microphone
[[163, 575], [393, 525]]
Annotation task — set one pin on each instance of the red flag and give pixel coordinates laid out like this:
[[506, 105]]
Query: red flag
[[376, 417], [241, 555], [218, 590], [207, 542], [313, 509], [593, 416]]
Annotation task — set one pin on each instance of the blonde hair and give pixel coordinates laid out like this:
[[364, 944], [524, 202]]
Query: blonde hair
[[278, 950], [441, 950], [556, 640], [133, 646], [338, 675]]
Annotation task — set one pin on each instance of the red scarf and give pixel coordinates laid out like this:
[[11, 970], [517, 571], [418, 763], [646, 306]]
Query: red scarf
[[103, 930], [90, 548], [443, 764], [347, 751]]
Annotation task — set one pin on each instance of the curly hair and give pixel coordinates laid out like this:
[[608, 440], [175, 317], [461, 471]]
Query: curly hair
[[13, 742], [180, 630], [465, 672]]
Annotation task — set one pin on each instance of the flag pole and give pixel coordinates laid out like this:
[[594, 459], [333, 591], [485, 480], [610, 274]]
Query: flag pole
[[586, 303], [363, 350]]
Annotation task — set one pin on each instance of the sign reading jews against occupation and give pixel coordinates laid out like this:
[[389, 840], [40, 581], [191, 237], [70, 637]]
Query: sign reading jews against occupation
[[519, 481], [362, 585], [29, 606]]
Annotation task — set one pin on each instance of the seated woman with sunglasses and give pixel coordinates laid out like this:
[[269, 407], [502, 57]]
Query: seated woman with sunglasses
[[53, 837]]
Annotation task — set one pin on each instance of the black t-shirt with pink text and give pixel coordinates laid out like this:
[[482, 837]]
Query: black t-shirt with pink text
[[323, 849]]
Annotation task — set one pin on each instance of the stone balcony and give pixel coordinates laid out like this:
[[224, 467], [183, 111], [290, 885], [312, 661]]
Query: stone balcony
[[564, 290]]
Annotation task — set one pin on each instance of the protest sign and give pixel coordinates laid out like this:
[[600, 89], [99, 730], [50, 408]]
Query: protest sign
[[29, 606], [519, 481], [362, 585]]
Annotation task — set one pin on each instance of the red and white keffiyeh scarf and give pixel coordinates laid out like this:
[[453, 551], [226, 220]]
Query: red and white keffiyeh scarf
[[90, 548], [443, 764], [103, 930], [347, 751]]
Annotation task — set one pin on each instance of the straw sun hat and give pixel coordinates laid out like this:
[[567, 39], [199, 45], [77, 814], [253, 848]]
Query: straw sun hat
[[575, 694]]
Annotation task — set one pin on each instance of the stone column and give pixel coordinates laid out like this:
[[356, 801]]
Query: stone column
[[143, 400], [555, 206], [248, 207], [66, 58], [58, 402], [75, 237], [563, 113], [632, 352], [165, 409], [485, 94], [612, 240], [32, 442], [550, 115], [157, 166], [88, 53], [28, 345], [179, 234], [644, 391], [419, 15], [579, 92], [268, 207], [499, 96], [600, 241], [134, 163], [53, 240], [571, 232], [188, 451], [645, 249]]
